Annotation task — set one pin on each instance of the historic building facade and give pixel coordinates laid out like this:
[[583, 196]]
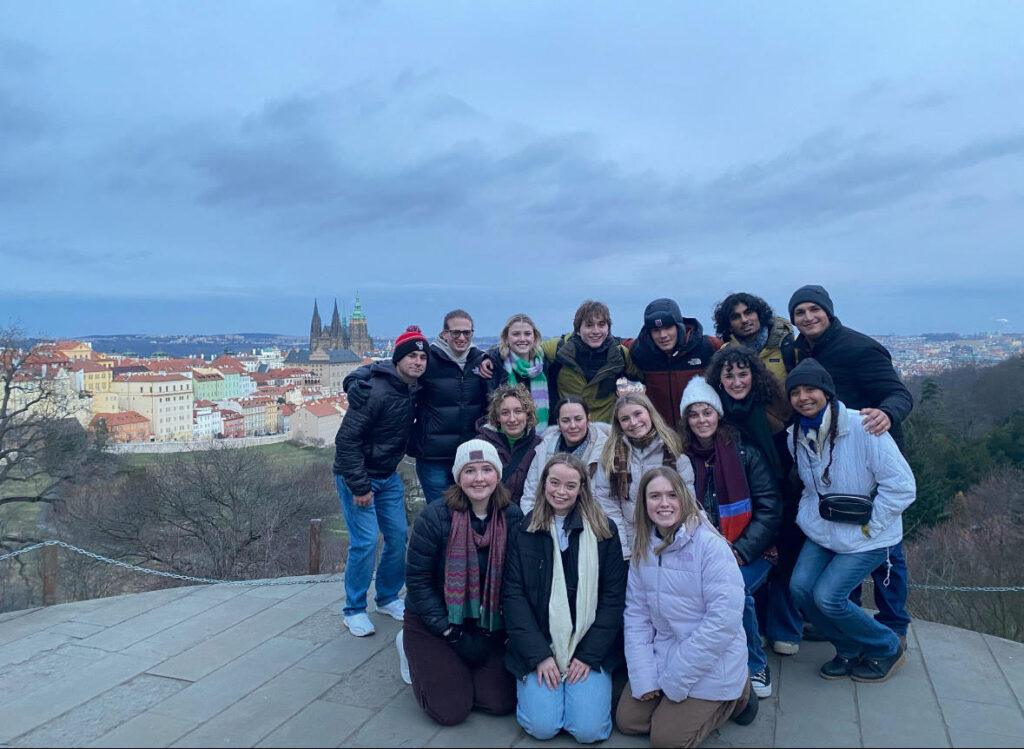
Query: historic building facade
[[340, 335]]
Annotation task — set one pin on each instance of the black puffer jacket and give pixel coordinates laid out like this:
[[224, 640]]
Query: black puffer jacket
[[371, 440], [425, 560], [765, 501], [515, 461], [450, 401], [527, 592], [862, 371]]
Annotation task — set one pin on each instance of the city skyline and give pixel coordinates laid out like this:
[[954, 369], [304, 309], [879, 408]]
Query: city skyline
[[220, 167]]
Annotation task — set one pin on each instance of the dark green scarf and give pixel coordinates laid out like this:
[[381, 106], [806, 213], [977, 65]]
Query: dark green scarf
[[751, 420]]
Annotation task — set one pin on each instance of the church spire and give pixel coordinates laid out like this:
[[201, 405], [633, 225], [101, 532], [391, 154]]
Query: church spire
[[357, 313]]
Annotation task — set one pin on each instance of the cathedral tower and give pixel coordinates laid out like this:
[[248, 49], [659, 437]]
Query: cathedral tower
[[359, 336]]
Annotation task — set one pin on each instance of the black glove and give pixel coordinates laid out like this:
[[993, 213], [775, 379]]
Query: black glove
[[471, 646], [358, 394]]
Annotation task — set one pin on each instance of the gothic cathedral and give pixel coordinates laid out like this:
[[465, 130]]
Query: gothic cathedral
[[340, 335]]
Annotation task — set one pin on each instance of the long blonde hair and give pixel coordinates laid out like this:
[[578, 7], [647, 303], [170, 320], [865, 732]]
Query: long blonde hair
[[642, 522], [617, 436], [541, 516], [503, 347]]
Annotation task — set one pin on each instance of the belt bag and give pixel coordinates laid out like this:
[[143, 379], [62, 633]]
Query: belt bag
[[846, 508]]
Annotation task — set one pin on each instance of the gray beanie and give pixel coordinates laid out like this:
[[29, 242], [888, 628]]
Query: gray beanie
[[811, 293], [698, 391], [475, 451]]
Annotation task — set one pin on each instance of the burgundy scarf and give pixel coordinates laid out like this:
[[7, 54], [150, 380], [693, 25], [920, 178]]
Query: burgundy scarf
[[462, 588], [734, 506]]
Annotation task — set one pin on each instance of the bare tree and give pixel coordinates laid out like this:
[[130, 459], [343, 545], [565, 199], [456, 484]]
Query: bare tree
[[220, 513], [42, 445]]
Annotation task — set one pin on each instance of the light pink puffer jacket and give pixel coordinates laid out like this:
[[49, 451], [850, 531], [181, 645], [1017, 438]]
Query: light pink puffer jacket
[[684, 620]]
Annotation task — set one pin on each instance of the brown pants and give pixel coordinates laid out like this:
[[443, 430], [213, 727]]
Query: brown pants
[[675, 724], [445, 687]]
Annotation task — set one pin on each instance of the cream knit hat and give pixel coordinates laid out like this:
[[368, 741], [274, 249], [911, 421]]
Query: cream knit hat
[[474, 451], [699, 391]]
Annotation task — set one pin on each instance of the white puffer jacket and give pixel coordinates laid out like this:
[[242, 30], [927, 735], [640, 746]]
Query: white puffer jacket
[[620, 509], [597, 433], [862, 462]]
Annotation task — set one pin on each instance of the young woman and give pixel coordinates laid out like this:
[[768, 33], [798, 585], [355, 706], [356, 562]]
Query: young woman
[[574, 433], [639, 440], [737, 490], [454, 632], [518, 358], [565, 590], [753, 403], [836, 455], [685, 646], [510, 425]]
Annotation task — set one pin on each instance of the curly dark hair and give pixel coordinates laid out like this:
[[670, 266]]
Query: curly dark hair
[[520, 393], [765, 388], [725, 307]]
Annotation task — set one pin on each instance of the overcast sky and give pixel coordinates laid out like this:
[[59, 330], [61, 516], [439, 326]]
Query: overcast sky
[[215, 166]]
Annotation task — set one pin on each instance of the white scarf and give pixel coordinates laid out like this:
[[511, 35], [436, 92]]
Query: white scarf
[[563, 638]]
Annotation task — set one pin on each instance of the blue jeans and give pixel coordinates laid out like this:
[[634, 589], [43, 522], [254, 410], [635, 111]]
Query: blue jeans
[[435, 476], [821, 585], [783, 620], [385, 515], [754, 575], [890, 592], [584, 709]]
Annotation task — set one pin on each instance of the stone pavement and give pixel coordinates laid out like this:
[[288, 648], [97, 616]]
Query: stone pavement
[[269, 666]]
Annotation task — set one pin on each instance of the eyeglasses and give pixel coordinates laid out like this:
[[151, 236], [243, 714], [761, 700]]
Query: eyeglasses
[[460, 333]]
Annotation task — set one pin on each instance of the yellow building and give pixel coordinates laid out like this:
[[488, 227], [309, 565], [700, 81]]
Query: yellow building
[[75, 350], [92, 376], [165, 400]]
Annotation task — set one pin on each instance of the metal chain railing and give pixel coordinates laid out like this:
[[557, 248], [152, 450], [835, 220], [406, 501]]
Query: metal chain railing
[[304, 581], [159, 573]]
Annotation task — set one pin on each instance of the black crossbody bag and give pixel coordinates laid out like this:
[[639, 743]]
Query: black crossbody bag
[[854, 509]]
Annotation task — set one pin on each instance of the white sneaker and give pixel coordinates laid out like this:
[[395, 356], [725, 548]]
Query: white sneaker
[[359, 624], [403, 661], [395, 609], [786, 648], [762, 683]]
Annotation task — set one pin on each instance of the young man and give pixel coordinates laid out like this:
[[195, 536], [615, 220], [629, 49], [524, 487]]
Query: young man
[[452, 397], [589, 361], [368, 448], [749, 320], [670, 350], [865, 379]]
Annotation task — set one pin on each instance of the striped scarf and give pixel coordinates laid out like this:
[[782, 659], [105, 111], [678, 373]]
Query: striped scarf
[[534, 372], [464, 596]]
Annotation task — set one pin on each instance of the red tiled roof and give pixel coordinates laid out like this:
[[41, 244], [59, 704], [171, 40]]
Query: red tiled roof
[[321, 410], [151, 378], [86, 365], [120, 418]]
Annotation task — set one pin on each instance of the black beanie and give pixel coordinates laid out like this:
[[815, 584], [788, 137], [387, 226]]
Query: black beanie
[[662, 313], [811, 293], [809, 372]]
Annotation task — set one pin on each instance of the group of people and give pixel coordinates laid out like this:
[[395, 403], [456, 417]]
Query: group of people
[[572, 534]]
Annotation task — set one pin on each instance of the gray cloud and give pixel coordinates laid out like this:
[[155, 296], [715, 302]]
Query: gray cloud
[[45, 251], [19, 57]]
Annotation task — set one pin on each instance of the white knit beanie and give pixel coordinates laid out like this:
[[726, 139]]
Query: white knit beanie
[[475, 451], [698, 391]]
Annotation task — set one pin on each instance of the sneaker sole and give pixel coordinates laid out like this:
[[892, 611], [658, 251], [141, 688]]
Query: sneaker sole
[[786, 648], [832, 678], [363, 633], [896, 665], [763, 693], [388, 613]]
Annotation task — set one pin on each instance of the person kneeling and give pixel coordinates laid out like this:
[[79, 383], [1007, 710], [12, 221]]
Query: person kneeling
[[565, 589], [686, 650], [454, 632]]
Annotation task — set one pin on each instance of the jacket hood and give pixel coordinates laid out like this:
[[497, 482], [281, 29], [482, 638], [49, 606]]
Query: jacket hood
[[781, 327], [387, 370]]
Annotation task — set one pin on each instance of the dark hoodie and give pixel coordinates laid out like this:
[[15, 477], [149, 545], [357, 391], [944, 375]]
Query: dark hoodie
[[667, 373]]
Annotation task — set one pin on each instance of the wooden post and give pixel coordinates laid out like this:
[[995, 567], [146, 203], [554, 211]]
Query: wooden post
[[314, 545], [49, 572]]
